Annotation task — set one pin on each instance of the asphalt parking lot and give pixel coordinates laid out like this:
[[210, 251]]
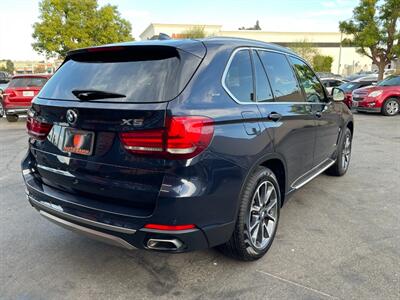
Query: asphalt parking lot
[[337, 238]]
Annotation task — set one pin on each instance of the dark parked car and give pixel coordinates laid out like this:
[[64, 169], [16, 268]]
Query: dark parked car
[[4, 77], [182, 144], [3, 86]]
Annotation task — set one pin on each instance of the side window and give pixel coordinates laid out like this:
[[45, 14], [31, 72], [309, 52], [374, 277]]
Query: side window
[[283, 82], [312, 87], [239, 78], [263, 89], [336, 83]]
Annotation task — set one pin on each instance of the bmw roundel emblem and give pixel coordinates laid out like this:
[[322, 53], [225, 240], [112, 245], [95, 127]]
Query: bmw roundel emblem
[[72, 116]]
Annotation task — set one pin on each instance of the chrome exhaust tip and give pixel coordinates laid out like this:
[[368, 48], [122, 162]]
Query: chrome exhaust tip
[[164, 244]]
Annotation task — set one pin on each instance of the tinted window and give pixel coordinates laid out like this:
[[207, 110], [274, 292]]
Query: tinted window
[[312, 87], [390, 81], [27, 82], [239, 78], [283, 82], [141, 74], [263, 89]]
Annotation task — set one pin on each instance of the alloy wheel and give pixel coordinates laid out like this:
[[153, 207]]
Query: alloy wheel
[[346, 152], [263, 215], [392, 107], [1, 110]]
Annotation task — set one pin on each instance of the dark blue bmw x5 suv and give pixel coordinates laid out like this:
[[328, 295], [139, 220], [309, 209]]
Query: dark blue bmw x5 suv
[[180, 145]]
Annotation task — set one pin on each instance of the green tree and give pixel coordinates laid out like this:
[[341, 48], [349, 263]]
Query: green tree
[[196, 32], [322, 63], [305, 49], [374, 31], [65, 25], [9, 67]]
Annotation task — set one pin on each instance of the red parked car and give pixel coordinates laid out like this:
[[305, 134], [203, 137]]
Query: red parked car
[[383, 97], [19, 93], [349, 87]]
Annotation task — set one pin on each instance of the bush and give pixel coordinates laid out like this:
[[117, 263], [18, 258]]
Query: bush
[[322, 63]]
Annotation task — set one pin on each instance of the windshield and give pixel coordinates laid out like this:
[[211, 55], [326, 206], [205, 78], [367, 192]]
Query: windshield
[[136, 74], [27, 82], [390, 81]]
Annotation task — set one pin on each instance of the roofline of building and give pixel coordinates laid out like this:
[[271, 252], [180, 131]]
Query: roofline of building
[[237, 30]]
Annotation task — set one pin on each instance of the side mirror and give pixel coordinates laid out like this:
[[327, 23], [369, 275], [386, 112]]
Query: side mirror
[[338, 95]]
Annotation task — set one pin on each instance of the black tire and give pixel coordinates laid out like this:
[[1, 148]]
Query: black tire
[[240, 246], [340, 167], [391, 107], [12, 118]]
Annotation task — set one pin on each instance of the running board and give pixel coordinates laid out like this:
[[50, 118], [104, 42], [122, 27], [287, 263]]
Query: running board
[[314, 172]]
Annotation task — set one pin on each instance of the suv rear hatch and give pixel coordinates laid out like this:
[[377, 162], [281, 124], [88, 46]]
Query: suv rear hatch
[[96, 95]]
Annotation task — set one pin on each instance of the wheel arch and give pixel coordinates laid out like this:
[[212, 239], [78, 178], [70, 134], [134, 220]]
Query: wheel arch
[[350, 125], [277, 164]]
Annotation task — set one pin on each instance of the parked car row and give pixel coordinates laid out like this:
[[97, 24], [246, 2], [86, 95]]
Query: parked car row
[[365, 94]]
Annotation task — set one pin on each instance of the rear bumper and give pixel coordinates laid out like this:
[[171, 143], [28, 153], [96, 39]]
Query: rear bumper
[[16, 111], [117, 229]]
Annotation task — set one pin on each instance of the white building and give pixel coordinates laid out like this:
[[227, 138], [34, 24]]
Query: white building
[[327, 43]]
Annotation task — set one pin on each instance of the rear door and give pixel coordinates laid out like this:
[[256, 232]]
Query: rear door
[[93, 98], [239, 83], [289, 117]]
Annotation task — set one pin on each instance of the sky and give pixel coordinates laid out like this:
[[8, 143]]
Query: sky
[[17, 17]]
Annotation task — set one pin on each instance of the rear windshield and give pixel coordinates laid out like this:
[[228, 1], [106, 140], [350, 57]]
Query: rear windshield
[[136, 74], [27, 82]]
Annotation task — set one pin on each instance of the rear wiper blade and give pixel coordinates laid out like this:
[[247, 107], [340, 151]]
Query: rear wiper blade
[[95, 94]]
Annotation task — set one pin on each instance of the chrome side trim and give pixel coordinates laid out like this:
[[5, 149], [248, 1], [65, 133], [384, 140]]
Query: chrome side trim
[[97, 235], [329, 162], [58, 212], [273, 102]]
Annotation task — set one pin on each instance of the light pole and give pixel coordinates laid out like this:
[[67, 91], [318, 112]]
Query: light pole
[[340, 52]]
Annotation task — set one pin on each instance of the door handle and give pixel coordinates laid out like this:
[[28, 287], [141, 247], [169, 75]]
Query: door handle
[[274, 116]]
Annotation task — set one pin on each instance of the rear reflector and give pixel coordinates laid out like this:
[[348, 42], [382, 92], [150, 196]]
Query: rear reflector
[[37, 129], [170, 227], [183, 137]]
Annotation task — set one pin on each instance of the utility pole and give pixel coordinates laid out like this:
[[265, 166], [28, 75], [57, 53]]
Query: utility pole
[[340, 53]]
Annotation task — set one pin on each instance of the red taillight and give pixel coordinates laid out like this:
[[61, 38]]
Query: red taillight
[[170, 227], [9, 93], [183, 137], [37, 129]]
